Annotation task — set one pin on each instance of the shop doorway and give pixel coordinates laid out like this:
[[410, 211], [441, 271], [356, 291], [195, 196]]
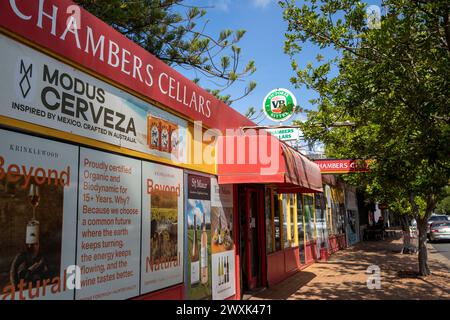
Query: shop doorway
[[252, 241]]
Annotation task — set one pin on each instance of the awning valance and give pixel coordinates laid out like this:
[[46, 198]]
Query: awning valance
[[262, 158]]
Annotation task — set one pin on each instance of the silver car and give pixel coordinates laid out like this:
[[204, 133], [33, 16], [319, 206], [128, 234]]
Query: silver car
[[440, 230], [436, 218]]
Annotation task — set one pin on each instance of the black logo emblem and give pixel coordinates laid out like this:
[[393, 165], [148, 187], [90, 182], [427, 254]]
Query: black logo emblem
[[27, 73]]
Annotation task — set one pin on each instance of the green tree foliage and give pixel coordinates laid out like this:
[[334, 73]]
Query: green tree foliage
[[393, 83], [443, 207], [170, 30]]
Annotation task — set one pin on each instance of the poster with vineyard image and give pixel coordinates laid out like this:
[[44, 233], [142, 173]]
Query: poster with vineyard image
[[162, 227]]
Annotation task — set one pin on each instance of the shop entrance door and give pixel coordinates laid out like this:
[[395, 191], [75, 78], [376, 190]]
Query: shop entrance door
[[252, 241]]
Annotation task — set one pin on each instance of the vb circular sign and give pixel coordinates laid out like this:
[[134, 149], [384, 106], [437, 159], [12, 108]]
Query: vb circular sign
[[279, 104]]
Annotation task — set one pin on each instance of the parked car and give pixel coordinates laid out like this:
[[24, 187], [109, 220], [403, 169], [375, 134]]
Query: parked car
[[436, 218], [440, 230]]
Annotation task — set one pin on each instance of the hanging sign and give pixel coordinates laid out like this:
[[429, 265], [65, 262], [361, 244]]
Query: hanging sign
[[278, 105], [285, 134]]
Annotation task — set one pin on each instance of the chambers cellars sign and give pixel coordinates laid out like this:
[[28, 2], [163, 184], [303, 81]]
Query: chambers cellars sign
[[279, 104]]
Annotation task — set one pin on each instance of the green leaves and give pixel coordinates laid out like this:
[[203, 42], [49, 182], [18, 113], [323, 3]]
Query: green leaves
[[392, 82]]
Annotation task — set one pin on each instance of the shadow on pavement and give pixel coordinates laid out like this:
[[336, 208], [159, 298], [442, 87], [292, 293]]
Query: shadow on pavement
[[345, 277]]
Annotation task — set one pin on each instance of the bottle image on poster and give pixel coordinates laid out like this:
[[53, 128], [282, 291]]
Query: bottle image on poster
[[204, 252], [38, 201], [198, 209], [222, 247], [195, 262]]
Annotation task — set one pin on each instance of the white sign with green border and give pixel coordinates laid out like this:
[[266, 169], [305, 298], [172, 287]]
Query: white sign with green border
[[279, 104], [285, 134]]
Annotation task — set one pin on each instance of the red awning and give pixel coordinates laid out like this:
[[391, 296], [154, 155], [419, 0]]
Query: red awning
[[262, 158]]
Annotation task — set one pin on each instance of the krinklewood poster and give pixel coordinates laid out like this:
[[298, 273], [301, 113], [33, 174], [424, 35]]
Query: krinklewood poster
[[223, 247], [198, 206], [109, 224], [38, 189], [162, 227]]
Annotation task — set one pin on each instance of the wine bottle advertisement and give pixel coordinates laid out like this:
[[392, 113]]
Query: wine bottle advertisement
[[162, 227], [38, 201], [198, 210], [223, 247], [109, 221]]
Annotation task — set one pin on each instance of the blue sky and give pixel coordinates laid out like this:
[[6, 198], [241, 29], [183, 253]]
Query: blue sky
[[263, 43]]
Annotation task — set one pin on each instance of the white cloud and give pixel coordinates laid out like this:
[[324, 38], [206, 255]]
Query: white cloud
[[261, 3], [222, 5]]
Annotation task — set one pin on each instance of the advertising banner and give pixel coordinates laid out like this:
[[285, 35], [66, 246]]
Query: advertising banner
[[198, 206], [38, 202], [41, 90], [90, 42], [162, 227], [223, 247], [109, 223]]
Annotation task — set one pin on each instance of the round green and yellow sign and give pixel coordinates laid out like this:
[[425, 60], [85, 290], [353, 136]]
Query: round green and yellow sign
[[279, 104]]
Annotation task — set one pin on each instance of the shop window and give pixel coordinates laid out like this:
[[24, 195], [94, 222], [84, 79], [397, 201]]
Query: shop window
[[269, 222], [276, 222], [286, 222], [301, 229], [293, 214], [281, 221], [309, 216], [322, 234], [289, 225]]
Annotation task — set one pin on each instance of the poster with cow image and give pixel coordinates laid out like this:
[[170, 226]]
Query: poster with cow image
[[41, 90], [162, 227], [38, 201]]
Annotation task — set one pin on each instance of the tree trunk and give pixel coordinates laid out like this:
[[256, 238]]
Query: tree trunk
[[424, 270]]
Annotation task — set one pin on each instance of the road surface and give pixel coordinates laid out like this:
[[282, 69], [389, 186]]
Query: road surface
[[442, 248]]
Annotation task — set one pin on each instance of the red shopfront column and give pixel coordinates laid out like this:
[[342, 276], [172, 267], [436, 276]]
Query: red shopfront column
[[172, 293]]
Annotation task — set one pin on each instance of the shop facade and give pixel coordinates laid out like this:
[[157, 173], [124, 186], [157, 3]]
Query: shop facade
[[107, 172], [101, 172], [106, 168]]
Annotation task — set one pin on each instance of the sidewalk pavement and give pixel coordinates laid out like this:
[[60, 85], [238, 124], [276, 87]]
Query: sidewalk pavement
[[344, 276]]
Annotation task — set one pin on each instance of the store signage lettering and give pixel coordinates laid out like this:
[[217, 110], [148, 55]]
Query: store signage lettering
[[342, 166], [51, 19], [151, 186], [38, 176], [79, 103], [285, 134], [197, 183]]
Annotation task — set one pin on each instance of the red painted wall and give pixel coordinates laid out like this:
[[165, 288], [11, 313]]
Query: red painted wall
[[282, 264], [309, 252], [172, 293]]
